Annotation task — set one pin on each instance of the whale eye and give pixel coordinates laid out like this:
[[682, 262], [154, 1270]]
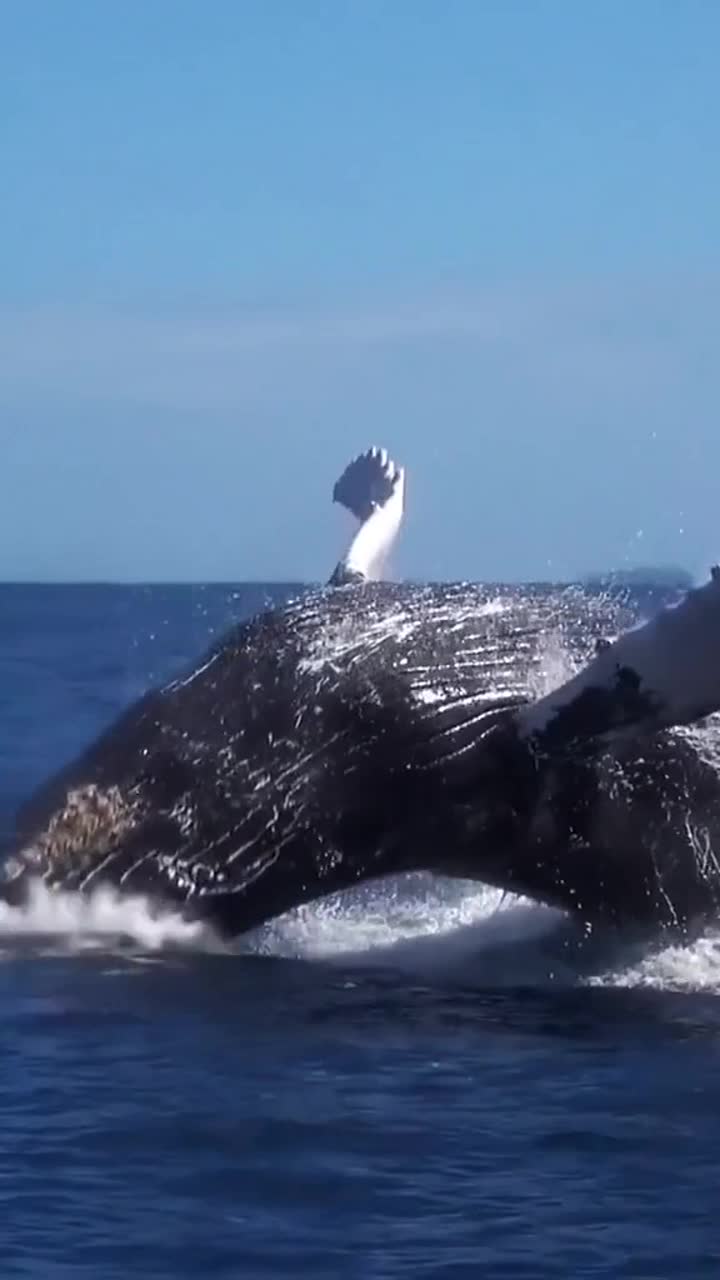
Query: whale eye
[[601, 644]]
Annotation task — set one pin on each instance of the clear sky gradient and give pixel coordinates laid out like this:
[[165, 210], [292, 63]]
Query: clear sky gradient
[[242, 240]]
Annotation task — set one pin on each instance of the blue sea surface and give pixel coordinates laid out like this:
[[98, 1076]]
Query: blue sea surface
[[418, 1082]]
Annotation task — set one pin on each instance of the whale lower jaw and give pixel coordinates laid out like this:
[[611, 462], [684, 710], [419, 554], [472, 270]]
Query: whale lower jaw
[[600, 888], [612, 841]]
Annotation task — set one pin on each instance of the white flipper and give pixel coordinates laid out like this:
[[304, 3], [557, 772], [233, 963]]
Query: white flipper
[[372, 487], [664, 673]]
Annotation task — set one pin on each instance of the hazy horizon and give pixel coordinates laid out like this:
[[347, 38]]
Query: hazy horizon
[[640, 573]]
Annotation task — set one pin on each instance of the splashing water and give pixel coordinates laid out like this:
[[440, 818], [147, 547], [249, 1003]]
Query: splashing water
[[371, 921], [400, 916], [101, 921], [695, 967], [554, 668], [475, 933], [419, 925]]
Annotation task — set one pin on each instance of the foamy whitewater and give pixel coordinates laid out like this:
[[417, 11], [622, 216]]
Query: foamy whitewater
[[420, 925]]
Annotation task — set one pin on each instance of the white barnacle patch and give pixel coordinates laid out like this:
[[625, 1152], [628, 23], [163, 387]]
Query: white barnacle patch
[[89, 824]]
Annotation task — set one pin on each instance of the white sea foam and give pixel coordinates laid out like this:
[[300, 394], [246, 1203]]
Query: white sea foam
[[485, 937], [102, 920], [695, 967], [389, 918], [417, 925]]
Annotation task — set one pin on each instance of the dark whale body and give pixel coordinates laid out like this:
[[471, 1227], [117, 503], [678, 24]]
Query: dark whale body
[[362, 731]]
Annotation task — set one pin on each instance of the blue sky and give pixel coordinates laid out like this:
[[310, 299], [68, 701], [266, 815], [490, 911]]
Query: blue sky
[[242, 241]]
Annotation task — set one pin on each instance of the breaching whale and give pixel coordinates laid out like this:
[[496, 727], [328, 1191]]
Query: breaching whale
[[369, 728]]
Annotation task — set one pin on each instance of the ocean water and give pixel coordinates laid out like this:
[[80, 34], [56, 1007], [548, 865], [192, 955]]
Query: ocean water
[[421, 1079]]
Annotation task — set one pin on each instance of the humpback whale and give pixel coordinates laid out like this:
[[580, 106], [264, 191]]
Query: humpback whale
[[370, 728]]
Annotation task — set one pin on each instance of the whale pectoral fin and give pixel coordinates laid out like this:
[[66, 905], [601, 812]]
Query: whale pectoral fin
[[372, 487], [368, 481], [663, 673]]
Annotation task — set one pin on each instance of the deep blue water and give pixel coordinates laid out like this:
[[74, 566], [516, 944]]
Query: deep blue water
[[446, 1104]]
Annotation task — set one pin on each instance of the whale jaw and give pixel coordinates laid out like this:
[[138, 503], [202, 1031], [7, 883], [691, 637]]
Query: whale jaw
[[618, 839]]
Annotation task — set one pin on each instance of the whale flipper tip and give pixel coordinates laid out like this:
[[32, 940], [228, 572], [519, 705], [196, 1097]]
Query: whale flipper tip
[[368, 482]]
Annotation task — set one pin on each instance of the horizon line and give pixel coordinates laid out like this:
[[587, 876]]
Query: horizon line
[[661, 574]]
